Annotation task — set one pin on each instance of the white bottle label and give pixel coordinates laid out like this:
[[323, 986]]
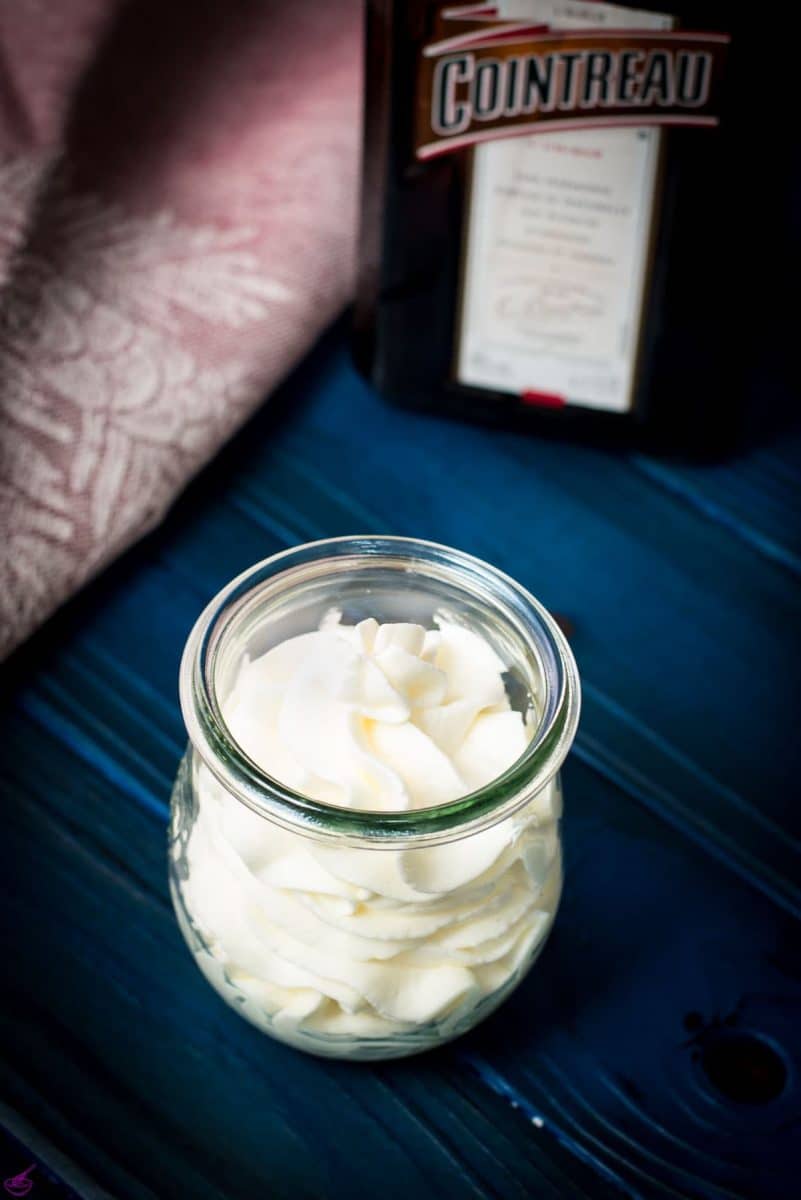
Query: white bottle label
[[557, 247]]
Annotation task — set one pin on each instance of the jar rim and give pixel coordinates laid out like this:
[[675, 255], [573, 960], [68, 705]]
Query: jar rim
[[276, 801]]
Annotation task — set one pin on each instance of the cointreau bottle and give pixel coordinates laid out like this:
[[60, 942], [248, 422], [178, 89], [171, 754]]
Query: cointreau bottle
[[545, 235]]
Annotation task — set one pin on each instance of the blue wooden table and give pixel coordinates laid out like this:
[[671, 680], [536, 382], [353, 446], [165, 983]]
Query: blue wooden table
[[656, 1048]]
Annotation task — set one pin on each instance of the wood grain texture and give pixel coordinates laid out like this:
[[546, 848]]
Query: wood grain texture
[[679, 924]]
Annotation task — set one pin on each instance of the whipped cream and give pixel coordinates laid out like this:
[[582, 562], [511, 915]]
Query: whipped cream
[[376, 716], [308, 938]]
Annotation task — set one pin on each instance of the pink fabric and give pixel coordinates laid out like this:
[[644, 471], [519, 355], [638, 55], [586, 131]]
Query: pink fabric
[[177, 198]]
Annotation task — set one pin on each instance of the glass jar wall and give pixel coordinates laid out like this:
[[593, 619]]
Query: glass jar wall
[[357, 933]]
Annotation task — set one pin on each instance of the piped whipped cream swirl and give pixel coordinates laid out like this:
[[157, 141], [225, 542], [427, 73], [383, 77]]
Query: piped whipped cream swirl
[[309, 937]]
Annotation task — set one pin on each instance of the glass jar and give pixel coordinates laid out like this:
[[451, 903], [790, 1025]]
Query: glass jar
[[354, 934]]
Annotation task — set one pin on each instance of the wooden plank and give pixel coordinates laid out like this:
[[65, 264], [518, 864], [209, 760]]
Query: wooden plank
[[756, 497]]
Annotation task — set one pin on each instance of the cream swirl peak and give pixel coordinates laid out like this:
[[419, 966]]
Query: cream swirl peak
[[382, 717]]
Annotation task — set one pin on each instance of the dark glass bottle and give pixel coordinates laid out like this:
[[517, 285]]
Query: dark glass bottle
[[685, 367]]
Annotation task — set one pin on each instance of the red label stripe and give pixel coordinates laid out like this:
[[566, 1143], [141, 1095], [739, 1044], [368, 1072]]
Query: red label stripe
[[543, 399]]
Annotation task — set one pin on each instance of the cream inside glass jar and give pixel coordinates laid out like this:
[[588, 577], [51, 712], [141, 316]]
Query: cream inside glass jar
[[348, 930]]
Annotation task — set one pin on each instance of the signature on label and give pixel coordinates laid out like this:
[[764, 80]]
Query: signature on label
[[535, 301], [19, 1185]]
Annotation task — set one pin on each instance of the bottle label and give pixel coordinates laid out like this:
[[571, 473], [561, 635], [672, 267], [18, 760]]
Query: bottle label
[[559, 222], [484, 77]]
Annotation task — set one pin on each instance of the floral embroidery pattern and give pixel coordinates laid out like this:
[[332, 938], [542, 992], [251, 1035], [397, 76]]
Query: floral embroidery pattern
[[109, 398]]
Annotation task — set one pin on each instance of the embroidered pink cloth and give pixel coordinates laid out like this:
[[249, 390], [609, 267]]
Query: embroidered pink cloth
[[177, 186]]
